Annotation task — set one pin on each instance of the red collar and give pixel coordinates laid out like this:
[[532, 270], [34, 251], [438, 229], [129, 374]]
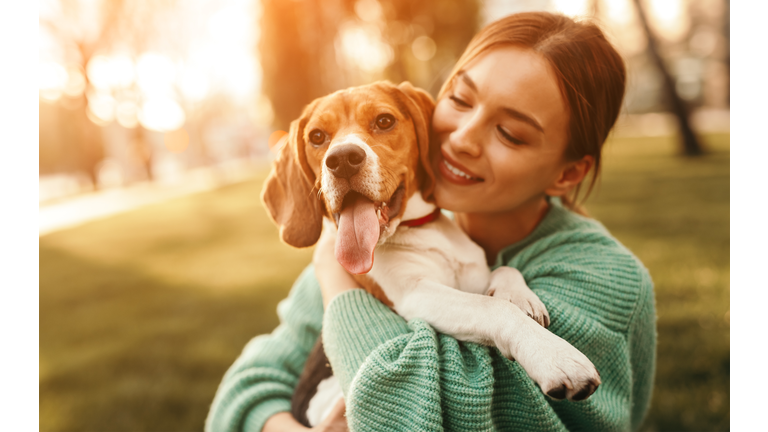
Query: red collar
[[422, 220]]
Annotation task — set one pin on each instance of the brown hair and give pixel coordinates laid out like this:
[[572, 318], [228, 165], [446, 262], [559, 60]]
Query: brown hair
[[590, 71]]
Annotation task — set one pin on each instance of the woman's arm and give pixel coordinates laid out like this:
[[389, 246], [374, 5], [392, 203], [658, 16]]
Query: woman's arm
[[261, 381], [408, 377]]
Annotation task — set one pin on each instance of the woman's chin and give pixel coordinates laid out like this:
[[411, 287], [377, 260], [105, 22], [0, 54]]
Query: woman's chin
[[451, 198]]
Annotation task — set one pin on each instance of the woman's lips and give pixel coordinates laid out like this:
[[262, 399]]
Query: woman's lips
[[455, 173]]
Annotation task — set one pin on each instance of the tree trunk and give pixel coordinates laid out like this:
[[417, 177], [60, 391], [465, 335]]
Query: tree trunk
[[691, 146]]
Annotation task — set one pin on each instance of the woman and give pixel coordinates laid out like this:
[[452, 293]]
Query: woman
[[517, 128]]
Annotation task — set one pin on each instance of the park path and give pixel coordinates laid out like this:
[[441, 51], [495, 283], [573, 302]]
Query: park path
[[90, 206]]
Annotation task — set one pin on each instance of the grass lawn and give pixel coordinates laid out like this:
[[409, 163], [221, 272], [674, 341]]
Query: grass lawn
[[141, 313]]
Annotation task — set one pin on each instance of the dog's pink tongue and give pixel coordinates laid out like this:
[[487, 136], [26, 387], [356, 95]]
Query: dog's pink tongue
[[357, 236]]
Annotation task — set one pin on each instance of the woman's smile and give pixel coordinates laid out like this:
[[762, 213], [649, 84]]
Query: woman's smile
[[457, 174]]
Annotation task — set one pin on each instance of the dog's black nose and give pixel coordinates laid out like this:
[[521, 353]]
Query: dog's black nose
[[345, 160]]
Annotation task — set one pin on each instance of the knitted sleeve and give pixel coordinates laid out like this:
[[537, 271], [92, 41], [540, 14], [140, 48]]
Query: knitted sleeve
[[261, 381], [642, 346], [404, 376], [399, 376]]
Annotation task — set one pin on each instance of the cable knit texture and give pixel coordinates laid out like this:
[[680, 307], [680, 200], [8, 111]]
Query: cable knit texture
[[403, 376]]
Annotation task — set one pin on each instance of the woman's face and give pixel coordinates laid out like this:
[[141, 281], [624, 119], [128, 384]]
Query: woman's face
[[502, 130]]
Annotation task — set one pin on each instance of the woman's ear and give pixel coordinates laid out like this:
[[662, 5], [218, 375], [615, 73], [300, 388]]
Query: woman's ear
[[571, 174], [421, 106], [289, 194]]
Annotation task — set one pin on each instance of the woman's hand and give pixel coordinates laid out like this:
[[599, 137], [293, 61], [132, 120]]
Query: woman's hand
[[332, 277], [336, 421]]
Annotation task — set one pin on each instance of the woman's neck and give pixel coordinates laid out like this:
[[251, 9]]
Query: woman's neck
[[495, 231]]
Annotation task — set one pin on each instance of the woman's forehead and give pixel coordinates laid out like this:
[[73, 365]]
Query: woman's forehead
[[516, 81], [510, 67]]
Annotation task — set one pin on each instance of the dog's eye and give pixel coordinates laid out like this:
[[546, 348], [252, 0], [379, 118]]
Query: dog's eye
[[317, 137], [385, 121]]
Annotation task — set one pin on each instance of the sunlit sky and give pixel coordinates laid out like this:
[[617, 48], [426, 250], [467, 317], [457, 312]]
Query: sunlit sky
[[211, 50]]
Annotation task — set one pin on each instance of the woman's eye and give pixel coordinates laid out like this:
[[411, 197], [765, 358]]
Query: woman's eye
[[317, 137], [458, 101], [385, 121], [506, 135]]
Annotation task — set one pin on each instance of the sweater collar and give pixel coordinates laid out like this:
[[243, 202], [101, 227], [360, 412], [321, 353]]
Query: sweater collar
[[556, 218]]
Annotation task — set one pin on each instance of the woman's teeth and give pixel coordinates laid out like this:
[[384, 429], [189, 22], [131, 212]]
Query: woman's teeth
[[458, 172]]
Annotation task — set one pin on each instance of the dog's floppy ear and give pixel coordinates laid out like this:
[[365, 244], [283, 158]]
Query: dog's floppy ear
[[288, 192], [421, 106]]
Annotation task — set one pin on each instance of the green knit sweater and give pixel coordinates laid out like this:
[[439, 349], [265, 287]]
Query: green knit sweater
[[403, 376]]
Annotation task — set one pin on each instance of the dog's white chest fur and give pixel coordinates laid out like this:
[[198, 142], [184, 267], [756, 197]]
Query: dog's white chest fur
[[439, 251]]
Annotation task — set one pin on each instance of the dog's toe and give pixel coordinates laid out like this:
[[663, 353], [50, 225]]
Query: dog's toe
[[539, 311], [587, 388], [558, 392], [583, 393]]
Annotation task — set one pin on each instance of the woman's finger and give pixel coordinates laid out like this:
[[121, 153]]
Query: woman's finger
[[336, 421]]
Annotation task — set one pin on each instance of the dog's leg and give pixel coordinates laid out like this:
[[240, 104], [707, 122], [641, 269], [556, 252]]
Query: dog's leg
[[507, 283], [556, 366]]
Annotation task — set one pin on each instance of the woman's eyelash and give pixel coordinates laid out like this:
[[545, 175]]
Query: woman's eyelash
[[509, 137], [458, 101]]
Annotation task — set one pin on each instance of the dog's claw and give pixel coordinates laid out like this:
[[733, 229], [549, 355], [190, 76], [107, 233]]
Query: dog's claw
[[561, 392]]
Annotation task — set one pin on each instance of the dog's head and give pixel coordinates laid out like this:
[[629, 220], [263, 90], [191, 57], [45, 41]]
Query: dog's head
[[355, 156]]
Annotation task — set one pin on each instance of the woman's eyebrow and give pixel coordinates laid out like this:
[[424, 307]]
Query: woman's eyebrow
[[467, 80], [520, 116], [509, 111]]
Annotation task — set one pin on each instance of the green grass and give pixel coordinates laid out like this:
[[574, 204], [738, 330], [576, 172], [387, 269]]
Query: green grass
[[141, 313], [674, 213]]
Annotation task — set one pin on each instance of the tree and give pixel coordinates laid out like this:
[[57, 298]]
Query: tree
[[302, 46], [691, 146], [297, 54]]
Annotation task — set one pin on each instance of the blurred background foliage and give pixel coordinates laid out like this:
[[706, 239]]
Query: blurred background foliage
[[141, 313], [136, 90], [310, 49]]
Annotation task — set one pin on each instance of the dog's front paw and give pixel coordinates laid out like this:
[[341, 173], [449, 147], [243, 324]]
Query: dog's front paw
[[508, 284], [560, 370]]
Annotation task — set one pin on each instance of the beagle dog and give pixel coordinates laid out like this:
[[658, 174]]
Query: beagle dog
[[357, 163]]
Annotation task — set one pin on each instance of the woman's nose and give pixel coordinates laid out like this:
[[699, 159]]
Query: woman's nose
[[467, 138]]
